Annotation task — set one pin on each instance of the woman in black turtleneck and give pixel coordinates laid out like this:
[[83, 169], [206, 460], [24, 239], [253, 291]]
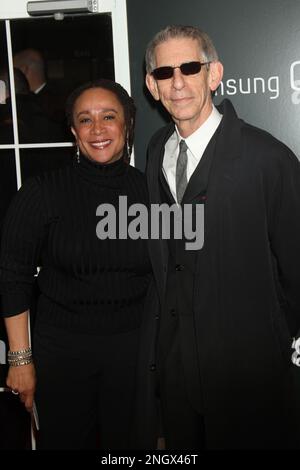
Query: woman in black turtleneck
[[82, 371]]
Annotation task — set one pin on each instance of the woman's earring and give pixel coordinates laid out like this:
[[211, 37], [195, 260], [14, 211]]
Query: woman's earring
[[127, 147], [77, 154]]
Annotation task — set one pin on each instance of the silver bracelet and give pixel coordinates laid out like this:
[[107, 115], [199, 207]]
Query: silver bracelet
[[17, 362], [296, 353], [19, 358], [21, 351]]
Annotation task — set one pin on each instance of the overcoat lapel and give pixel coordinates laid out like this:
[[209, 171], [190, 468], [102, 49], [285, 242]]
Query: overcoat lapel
[[158, 248], [222, 177], [198, 183]]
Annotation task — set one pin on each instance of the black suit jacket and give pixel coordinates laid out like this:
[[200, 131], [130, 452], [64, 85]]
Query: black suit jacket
[[246, 298], [52, 101]]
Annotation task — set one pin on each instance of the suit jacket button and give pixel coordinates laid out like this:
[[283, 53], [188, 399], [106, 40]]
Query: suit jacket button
[[173, 312], [153, 367], [179, 267]]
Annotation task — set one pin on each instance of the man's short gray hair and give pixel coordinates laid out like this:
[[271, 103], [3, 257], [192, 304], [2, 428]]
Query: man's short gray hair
[[206, 46]]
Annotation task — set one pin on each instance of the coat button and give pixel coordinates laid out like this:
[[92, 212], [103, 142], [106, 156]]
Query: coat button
[[157, 317], [153, 367], [173, 312], [179, 267]]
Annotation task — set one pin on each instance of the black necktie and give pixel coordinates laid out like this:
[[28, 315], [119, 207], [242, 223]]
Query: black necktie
[[181, 166]]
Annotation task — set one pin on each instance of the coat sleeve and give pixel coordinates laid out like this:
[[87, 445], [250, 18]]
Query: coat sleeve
[[22, 237], [285, 237]]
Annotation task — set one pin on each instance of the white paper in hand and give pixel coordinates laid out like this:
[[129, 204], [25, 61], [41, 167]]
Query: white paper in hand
[[35, 416]]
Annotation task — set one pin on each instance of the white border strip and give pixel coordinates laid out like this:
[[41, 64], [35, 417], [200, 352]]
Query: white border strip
[[38, 146], [13, 103]]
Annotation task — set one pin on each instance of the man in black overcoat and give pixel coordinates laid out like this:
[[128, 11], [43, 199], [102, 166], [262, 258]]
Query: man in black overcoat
[[226, 344]]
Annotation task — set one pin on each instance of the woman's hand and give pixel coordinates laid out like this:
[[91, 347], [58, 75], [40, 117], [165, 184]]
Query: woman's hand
[[22, 380]]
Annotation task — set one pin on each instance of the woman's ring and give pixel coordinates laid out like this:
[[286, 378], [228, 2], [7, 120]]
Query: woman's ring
[[15, 392]]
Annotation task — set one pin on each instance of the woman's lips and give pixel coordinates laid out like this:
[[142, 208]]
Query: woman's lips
[[100, 145]]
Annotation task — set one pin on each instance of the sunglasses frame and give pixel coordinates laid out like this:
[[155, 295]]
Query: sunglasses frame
[[169, 68]]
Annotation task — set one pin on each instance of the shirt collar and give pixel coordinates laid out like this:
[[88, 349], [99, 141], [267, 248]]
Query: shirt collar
[[198, 141], [39, 88]]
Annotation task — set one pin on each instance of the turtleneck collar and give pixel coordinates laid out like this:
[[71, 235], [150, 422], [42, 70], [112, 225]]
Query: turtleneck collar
[[109, 174]]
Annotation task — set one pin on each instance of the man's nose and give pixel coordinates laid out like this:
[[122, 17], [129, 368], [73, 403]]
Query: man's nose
[[178, 79]]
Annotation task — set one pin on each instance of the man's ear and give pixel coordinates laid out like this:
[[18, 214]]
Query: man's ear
[[152, 86], [215, 75], [24, 69]]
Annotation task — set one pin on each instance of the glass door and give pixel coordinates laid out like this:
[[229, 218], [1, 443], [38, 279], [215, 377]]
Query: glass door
[[33, 132]]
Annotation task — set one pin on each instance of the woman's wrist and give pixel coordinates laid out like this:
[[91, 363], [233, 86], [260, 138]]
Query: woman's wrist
[[20, 357]]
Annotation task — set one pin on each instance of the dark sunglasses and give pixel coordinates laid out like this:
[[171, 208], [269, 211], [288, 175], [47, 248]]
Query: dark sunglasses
[[189, 68]]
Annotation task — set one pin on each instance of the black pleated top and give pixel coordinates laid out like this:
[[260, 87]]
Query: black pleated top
[[86, 284]]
